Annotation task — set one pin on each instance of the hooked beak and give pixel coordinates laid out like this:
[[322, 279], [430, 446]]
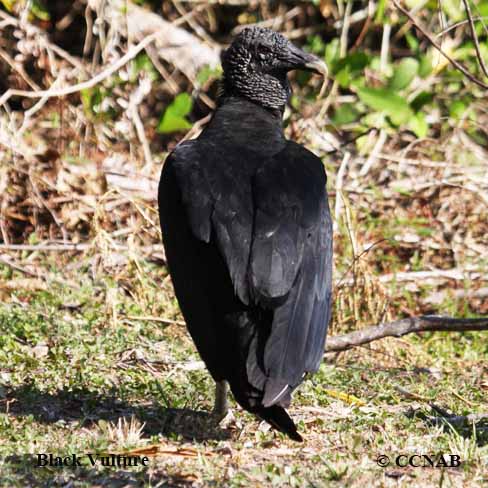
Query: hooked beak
[[317, 66], [309, 62]]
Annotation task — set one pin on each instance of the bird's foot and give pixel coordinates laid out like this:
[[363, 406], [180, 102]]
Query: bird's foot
[[221, 406], [228, 420]]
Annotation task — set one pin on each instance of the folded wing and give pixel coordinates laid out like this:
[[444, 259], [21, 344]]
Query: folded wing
[[272, 226], [291, 267]]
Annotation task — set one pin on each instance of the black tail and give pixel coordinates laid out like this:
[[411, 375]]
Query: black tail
[[280, 420]]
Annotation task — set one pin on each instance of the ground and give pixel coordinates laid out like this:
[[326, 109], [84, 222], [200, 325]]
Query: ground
[[99, 362]]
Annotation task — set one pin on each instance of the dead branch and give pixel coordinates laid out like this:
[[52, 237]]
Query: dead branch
[[458, 24], [62, 247], [439, 296], [472, 28], [175, 45], [455, 274], [28, 272], [172, 43], [425, 323], [399, 328], [434, 43], [60, 92]]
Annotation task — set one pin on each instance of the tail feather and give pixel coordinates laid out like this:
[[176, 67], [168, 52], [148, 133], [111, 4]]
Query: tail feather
[[252, 389], [280, 420]]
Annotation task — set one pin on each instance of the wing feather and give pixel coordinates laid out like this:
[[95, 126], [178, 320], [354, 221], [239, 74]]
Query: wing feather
[[291, 266], [216, 191]]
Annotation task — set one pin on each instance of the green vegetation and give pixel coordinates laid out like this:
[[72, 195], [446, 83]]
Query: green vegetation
[[174, 117], [77, 361]]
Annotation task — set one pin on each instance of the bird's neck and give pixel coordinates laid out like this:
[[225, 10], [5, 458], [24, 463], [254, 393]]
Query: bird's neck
[[241, 122], [271, 91]]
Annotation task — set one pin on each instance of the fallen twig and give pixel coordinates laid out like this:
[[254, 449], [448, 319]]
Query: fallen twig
[[439, 296], [399, 328], [369, 334], [175, 45], [442, 418], [456, 274], [149, 251], [409, 394], [28, 272], [156, 319]]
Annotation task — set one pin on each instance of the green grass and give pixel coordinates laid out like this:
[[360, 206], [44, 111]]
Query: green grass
[[73, 364]]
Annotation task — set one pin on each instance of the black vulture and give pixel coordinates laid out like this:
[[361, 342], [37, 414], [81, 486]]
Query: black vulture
[[248, 235]]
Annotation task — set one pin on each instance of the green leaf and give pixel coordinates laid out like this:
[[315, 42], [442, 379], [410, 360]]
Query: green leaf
[[295, 102], [143, 63], [483, 9], [453, 9], [478, 136], [8, 4], [404, 73], [385, 100], [377, 120], [457, 109], [354, 62], [345, 114], [40, 11], [380, 12], [174, 117], [423, 98], [418, 125], [182, 104], [332, 53], [92, 99], [346, 69], [206, 73], [316, 44], [343, 77], [425, 67], [412, 41]]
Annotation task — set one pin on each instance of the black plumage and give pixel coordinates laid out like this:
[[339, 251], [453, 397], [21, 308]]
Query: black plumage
[[248, 235]]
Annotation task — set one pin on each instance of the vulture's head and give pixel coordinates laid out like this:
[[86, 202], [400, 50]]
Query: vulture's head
[[257, 62]]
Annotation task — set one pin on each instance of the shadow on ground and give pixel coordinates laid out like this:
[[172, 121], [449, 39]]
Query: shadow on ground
[[89, 407], [465, 426], [23, 471]]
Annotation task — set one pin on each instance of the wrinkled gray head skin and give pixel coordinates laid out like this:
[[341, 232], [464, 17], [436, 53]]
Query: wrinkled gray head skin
[[257, 62]]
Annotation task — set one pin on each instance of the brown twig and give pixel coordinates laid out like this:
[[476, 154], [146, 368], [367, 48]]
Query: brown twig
[[399, 328], [459, 24], [434, 43], [475, 38], [28, 272], [365, 28], [156, 319], [110, 70]]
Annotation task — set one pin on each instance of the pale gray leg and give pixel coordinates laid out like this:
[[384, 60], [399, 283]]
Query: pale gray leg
[[221, 407]]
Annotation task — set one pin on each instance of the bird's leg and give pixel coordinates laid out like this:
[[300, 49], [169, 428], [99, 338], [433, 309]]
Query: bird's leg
[[221, 407]]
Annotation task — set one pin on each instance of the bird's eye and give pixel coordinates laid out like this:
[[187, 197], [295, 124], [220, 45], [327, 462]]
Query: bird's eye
[[263, 51]]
